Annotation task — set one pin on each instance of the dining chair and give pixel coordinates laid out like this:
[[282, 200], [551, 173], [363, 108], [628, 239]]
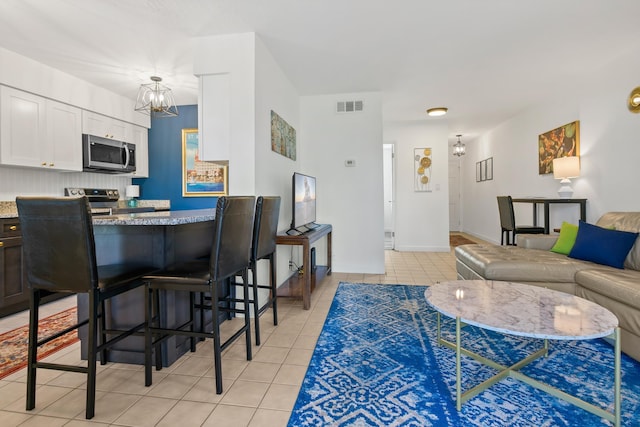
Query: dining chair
[[60, 257], [263, 246], [508, 222], [230, 256]]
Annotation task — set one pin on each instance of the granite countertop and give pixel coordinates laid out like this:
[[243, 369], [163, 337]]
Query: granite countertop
[[8, 208], [158, 205], [157, 218]]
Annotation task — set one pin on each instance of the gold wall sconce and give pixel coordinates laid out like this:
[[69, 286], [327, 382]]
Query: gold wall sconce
[[633, 103]]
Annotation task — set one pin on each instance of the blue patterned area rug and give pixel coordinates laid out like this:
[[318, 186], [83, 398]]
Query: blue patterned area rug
[[376, 363]]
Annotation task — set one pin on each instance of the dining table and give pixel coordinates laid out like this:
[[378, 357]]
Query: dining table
[[546, 203]]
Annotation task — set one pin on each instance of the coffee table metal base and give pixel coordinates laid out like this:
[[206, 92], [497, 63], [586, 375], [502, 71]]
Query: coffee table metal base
[[513, 371]]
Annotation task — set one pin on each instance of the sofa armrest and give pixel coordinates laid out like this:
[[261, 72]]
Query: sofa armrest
[[536, 241]]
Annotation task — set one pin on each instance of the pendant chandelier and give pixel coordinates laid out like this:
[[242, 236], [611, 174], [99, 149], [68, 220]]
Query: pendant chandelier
[[459, 148], [156, 99]]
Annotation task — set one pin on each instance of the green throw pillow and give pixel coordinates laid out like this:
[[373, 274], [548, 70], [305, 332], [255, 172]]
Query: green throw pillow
[[567, 238]]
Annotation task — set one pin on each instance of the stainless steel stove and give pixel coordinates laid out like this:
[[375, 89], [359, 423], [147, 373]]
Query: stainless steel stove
[[102, 201]]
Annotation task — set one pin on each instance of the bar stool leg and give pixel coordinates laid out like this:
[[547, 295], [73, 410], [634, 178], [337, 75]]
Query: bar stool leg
[[156, 318], [32, 356], [247, 317], [274, 288], [94, 307], [217, 356], [192, 319], [148, 303], [256, 304], [103, 336]]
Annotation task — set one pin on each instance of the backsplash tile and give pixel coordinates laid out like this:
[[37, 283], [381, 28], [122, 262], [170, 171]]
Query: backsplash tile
[[35, 182]]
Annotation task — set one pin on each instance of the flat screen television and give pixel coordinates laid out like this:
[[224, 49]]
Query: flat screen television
[[304, 200]]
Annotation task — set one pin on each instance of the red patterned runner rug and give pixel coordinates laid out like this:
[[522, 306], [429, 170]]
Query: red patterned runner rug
[[13, 344], [457, 240]]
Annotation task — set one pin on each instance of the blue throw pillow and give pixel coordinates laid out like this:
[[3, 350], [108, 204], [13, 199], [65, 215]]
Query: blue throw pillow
[[602, 245]]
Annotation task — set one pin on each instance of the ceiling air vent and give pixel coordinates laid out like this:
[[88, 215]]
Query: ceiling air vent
[[349, 106]]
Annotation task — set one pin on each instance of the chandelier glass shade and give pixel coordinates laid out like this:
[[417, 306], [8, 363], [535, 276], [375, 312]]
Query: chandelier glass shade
[[156, 99], [459, 149]]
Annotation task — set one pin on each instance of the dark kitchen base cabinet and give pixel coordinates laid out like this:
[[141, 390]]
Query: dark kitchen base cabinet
[[14, 294]]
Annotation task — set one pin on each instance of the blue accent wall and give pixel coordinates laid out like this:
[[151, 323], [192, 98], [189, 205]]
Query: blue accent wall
[[165, 161]]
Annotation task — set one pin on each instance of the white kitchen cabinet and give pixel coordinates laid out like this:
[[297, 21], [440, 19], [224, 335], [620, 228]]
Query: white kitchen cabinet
[[39, 132], [64, 136], [106, 127], [140, 137]]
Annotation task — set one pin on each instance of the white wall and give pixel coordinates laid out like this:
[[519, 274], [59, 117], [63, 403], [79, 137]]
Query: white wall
[[234, 54], [273, 171], [349, 198], [609, 149], [324, 141], [422, 218]]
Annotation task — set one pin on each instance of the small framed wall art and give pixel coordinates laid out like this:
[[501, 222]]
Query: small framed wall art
[[200, 178], [422, 167], [283, 137], [484, 170]]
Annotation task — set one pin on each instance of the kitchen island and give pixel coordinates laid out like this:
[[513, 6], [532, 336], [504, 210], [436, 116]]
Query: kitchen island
[[159, 239]]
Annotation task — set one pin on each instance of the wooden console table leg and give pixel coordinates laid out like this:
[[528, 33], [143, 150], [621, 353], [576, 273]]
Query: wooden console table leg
[[306, 275], [329, 254]]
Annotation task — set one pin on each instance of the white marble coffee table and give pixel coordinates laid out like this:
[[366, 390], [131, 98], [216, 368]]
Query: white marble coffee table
[[529, 311]]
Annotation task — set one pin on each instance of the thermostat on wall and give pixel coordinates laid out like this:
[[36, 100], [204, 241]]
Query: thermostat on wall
[[350, 163]]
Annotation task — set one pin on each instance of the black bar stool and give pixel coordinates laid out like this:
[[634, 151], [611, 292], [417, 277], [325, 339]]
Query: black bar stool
[[263, 246], [230, 255], [60, 256]]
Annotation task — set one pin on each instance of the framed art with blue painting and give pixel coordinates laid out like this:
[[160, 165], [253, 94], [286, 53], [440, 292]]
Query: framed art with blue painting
[[201, 178]]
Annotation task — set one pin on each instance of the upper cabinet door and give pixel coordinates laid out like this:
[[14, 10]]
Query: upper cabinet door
[[22, 127], [106, 127], [140, 137], [39, 132], [64, 136]]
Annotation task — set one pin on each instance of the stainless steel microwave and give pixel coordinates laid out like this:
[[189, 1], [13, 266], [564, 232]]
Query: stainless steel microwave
[[107, 156]]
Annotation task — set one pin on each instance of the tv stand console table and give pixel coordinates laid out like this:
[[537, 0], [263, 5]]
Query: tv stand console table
[[304, 283]]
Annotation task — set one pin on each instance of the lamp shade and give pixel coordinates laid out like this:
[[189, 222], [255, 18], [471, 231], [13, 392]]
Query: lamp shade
[[132, 191], [566, 167]]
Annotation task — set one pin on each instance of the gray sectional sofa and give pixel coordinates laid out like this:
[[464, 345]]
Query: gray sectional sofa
[[532, 262]]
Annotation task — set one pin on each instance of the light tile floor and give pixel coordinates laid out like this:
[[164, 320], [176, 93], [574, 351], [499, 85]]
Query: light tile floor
[[261, 392]]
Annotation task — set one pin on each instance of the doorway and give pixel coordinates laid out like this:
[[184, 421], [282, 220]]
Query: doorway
[[455, 223], [388, 170]]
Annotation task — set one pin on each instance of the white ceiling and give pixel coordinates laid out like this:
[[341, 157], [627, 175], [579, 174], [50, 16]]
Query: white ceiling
[[485, 60]]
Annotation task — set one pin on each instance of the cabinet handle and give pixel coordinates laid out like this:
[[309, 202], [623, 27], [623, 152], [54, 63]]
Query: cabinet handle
[[13, 227], [51, 164], [44, 163], [1, 244]]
